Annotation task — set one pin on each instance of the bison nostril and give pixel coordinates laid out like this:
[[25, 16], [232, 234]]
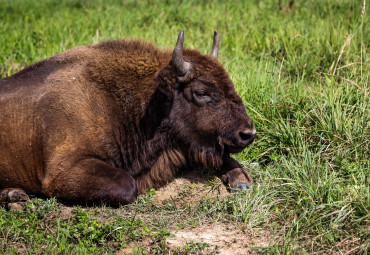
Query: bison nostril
[[247, 136]]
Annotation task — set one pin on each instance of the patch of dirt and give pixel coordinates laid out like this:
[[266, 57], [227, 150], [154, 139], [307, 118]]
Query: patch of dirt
[[189, 189], [65, 212], [192, 187], [228, 238], [222, 238]]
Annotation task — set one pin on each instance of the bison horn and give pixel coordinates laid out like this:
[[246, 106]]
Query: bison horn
[[177, 60], [216, 42]]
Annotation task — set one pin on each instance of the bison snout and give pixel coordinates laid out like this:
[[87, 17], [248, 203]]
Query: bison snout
[[247, 136], [240, 140]]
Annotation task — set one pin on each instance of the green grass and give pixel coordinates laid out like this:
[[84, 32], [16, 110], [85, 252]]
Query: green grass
[[304, 88]]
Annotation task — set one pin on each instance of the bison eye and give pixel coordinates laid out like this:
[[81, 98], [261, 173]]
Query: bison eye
[[201, 94], [201, 97]]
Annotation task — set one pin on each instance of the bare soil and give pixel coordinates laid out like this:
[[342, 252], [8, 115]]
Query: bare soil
[[194, 185], [225, 238]]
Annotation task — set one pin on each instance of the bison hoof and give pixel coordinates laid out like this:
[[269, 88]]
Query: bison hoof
[[241, 187], [14, 199], [17, 195], [237, 179]]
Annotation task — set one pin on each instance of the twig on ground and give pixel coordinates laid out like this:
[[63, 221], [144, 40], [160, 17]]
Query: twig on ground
[[350, 64], [345, 44]]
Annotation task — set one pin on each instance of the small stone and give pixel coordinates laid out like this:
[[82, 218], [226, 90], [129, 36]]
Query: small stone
[[254, 165], [15, 206]]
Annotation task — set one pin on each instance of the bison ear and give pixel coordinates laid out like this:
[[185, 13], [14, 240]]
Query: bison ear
[[167, 82]]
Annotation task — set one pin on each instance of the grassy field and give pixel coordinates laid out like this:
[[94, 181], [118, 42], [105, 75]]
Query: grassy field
[[303, 74]]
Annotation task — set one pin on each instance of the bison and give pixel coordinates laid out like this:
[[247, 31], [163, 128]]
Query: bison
[[101, 124]]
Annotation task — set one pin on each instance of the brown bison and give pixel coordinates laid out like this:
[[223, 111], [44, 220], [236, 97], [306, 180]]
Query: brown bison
[[104, 123]]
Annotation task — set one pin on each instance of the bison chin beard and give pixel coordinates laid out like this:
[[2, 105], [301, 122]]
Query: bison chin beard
[[207, 156]]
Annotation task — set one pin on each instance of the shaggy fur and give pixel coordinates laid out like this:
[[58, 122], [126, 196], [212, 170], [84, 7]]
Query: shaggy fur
[[99, 124]]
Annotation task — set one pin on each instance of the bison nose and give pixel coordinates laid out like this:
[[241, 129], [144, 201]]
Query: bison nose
[[247, 136]]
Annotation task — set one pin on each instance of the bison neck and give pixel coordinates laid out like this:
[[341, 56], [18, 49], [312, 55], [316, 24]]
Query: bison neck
[[148, 149]]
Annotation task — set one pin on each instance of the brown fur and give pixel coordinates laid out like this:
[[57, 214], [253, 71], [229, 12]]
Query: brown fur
[[99, 124]]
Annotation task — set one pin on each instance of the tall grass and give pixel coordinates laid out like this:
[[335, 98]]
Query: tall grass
[[303, 75]]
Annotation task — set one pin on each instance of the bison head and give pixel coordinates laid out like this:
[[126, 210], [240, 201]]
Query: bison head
[[207, 114]]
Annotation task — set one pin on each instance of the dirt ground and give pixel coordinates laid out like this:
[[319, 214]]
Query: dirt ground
[[228, 239], [225, 238]]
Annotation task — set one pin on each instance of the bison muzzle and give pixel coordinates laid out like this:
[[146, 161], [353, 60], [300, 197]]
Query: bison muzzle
[[104, 123]]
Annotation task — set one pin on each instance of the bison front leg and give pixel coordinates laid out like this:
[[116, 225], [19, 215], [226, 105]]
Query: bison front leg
[[13, 198], [234, 176], [91, 182]]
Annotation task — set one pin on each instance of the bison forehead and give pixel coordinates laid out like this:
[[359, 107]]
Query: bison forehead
[[208, 70]]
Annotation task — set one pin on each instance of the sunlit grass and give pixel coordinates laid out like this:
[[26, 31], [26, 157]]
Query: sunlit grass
[[305, 88]]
